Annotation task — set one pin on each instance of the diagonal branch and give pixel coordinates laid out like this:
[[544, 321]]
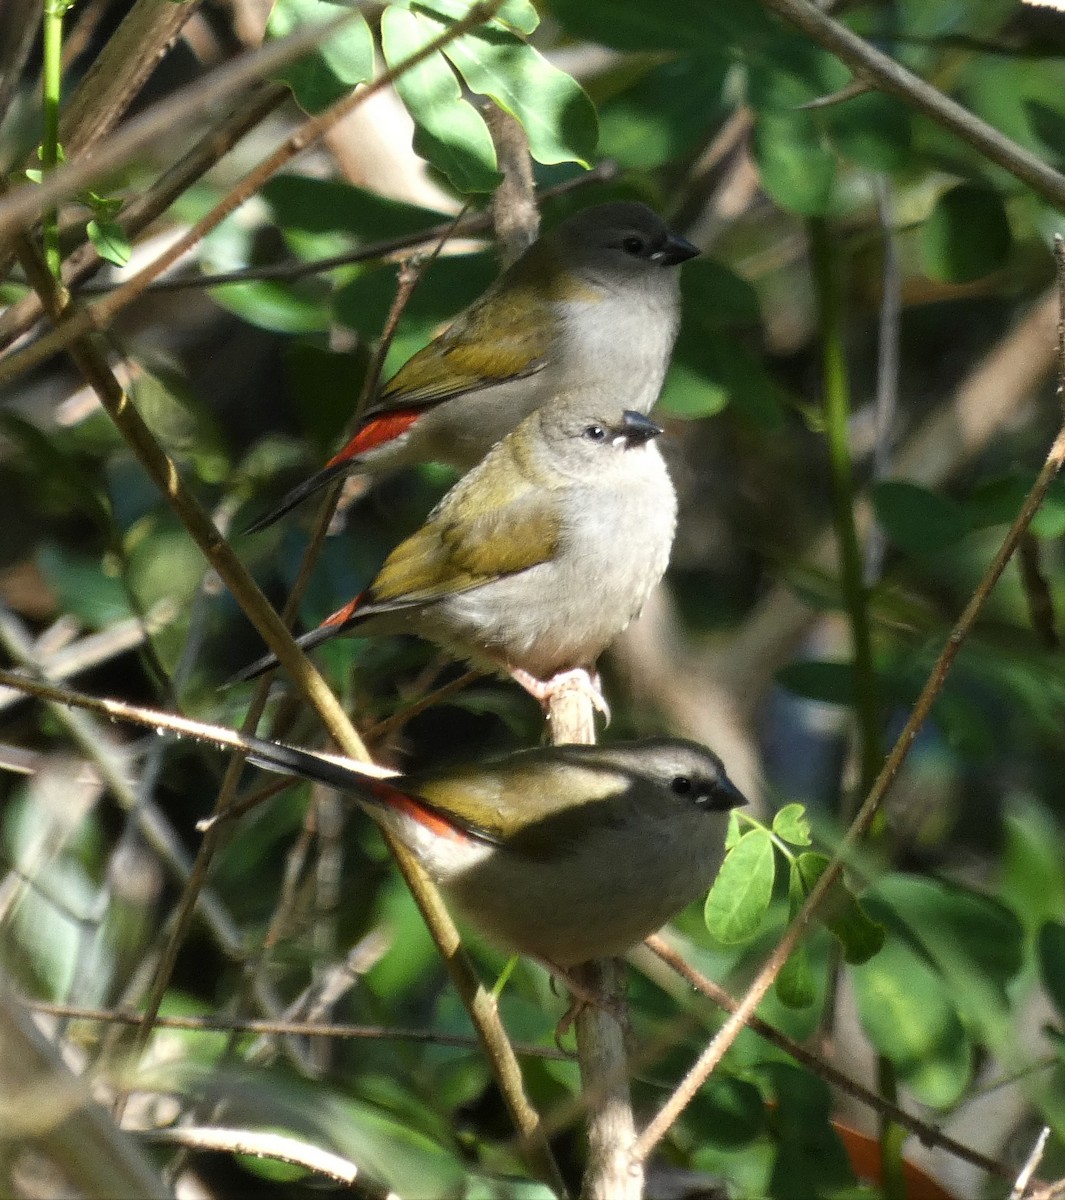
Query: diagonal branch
[[717, 1048], [884, 73], [97, 316]]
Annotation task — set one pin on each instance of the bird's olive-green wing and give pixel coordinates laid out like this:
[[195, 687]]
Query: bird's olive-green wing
[[530, 805], [496, 521], [493, 341]]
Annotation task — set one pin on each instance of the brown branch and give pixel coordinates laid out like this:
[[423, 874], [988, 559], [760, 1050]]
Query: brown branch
[[876, 68], [929, 1135], [280, 1028], [514, 213], [275, 1146], [123, 66]]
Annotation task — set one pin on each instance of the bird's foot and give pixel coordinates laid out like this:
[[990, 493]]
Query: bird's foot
[[582, 996], [578, 680]]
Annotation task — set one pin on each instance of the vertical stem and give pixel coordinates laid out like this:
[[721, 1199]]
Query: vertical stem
[[892, 1135], [837, 410], [51, 84], [836, 416]]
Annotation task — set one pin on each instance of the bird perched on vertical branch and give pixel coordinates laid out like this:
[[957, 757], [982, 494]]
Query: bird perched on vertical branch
[[563, 853], [537, 558], [596, 299]]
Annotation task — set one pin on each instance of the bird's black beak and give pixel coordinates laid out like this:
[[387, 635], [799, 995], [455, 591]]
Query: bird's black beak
[[675, 250], [726, 795], [637, 429]]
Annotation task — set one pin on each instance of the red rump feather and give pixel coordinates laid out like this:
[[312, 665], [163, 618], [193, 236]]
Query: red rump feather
[[404, 803], [343, 615], [376, 432]]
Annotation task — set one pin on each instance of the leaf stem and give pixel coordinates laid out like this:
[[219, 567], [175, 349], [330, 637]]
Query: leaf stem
[[51, 85], [837, 410]]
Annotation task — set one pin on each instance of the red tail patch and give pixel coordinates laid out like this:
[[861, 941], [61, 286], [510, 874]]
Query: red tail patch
[[343, 615], [376, 432], [403, 803]]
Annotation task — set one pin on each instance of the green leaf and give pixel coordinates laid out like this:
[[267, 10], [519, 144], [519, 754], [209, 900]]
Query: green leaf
[[1033, 874], [59, 474], [728, 1112], [449, 133], [998, 501], [841, 912], [810, 1159], [976, 943], [967, 235], [796, 165], [711, 368], [110, 240], [916, 519], [792, 825], [328, 206], [83, 587], [667, 113], [341, 62], [908, 1012], [739, 898], [684, 25], [872, 130], [553, 109], [270, 304], [442, 293], [1051, 945], [713, 295], [794, 984], [519, 15]]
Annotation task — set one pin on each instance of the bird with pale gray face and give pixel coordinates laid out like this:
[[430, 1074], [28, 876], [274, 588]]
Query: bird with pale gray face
[[563, 853], [594, 300], [537, 558]]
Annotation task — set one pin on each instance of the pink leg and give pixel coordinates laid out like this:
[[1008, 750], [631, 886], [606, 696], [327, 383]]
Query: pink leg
[[578, 680]]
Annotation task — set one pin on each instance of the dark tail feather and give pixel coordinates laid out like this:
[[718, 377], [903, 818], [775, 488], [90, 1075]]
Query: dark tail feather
[[331, 627], [305, 764], [298, 494]]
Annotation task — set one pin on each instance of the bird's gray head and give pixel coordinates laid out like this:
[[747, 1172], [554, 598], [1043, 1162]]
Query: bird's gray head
[[618, 243], [692, 773], [588, 435]]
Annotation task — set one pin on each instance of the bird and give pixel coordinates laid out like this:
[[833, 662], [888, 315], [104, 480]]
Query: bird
[[594, 298], [536, 559], [562, 853]]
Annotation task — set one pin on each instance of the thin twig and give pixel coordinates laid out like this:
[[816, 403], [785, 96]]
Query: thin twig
[[713, 1054], [1031, 1165], [99, 315], [154, 718], [139, 211], [929, 1135], [888, 76], [281, 1028], [275, 1146]]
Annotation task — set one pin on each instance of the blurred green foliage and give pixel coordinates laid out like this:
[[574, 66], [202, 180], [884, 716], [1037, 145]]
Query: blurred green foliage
[[952, 922]]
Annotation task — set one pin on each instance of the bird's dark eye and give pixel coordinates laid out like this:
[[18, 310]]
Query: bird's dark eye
[[595, 433], [681, 785], [632, 244]]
